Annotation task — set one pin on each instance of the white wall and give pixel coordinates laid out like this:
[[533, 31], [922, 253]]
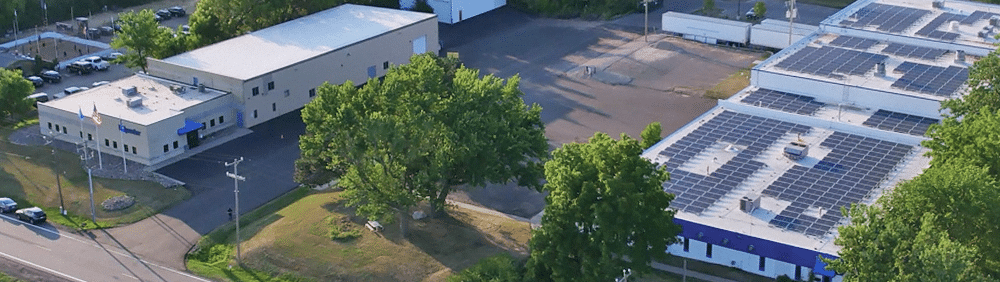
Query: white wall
[[738, 259], [706, 27], [774, 34]]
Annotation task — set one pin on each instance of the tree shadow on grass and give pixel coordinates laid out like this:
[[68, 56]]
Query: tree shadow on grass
[[456, 243]]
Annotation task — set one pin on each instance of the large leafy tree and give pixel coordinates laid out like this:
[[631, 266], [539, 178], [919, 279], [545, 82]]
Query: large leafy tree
[[940, 226], [984, 76], [13, 90], [141, 37], [975, 138], [605, 204], [428, 127], [651, 135]]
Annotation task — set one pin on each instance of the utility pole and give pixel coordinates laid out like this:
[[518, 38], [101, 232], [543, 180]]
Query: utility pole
[[791, 14], [236, 184], [55, 170], [645, 27]]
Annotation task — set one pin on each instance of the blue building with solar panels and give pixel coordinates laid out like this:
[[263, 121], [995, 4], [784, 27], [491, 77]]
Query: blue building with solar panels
[[833, 120]]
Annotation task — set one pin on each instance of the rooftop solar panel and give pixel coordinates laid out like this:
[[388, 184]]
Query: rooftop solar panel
[[782, 101], [911, 51], [900, 122], [700, 191], [843, 177], [977, 16], [930, 30], [933, 80], [827, 61], [890, 18], [853, 42]]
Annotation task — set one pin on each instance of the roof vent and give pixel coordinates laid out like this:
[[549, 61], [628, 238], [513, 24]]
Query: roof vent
[[201, 88], [749, 203], [880, 69], [938, 4], [178, 89], [953, 25], [796, 150], [985, 33], [131, 91], [135, 102], [961, 57]]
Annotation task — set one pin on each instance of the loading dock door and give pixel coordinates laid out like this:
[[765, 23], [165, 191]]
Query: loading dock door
[[420, 45]]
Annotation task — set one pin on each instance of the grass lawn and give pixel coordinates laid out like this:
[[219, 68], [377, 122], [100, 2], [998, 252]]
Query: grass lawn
[[26, 175], [729, 86], [292, 237]]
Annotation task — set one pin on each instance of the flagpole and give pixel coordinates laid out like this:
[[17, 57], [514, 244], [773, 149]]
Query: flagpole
[[97, 121], [121, 138]]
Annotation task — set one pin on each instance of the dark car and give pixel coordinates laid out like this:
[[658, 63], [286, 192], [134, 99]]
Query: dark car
[[157, 18], [51, 76], [37, 81], [164, 14], [107, 30], [81, 67], [93, 33], [64, 26], [177, 11], [7, 205], [33, 215]]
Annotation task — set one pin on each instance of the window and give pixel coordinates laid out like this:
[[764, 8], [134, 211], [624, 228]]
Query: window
[[274, 107], [255, 91], [212, 122], [64, 130], [175, 144], [270, 85], [220, 119], [90, 137], [107, 143], [687, 244], [50, 125], [125, 146], [254, 113], [203, 125], [114, 144], [798, 272], [760, 264], [385, 65], [81, 134], [312, 92], [133, 150], [166, 148], [288, 93], [57, 128], [708, 250]]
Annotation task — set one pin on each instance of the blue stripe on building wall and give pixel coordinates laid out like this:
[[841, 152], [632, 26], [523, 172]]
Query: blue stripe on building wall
[[762, 247]]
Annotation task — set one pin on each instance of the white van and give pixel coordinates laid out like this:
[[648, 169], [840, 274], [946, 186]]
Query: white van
[[99, 64]]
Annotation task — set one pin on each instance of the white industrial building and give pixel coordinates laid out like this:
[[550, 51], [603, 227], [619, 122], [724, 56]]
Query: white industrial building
[[834, 119], [454, 11], [241, 82]]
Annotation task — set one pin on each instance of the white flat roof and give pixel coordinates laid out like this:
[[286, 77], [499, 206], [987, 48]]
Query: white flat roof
[[159, 101], [933, 24], [279, 46]]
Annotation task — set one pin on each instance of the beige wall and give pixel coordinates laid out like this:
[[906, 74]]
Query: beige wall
[[182, 74]]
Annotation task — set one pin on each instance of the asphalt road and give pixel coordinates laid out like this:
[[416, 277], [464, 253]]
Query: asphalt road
[[54, 255]]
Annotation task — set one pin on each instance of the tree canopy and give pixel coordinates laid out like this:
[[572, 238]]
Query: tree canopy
[[13, 90], [939, 226], [651, 135], [428, 127], [975, 138], [141, 37], [984, 75], [605, 203]]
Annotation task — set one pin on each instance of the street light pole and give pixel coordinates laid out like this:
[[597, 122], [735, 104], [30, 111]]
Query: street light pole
[[236, 184]]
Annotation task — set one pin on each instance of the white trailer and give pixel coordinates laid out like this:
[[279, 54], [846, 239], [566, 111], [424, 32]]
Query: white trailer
[[775, 33], [706, 29], [453, 11]]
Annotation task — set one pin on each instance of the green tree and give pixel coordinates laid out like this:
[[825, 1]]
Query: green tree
[[605, 203], [983, 74], [708, 7], [421, 132], [497, 268], [140, 36], [973, 139], [951, 211], [651, 135], [759, 9], [422, 6], [13, 89]]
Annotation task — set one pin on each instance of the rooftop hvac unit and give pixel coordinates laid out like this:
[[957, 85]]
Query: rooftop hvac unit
[[201, 88], [995, 20], [985, 33], [938, 4], [953, 25], [131, 91], [961, 57], [135, 102], [749, 203], [880, 69], [796, 150]]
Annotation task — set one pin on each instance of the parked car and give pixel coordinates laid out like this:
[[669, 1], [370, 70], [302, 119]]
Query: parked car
[[99, 83], [98, 63], [81, 67], [186, 29], [51, 76], [157, 17], [107, 30], [36, 81], [93, 33], [7, 205], [64, 26], [40, 97], [33, 215], [111, 57], [750, 15], [164, 14], [177, 11], [73, 89]]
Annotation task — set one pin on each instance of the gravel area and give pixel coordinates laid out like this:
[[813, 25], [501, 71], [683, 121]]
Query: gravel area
[[112, 166]]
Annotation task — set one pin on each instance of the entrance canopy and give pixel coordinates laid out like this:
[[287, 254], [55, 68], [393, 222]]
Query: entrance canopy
[[189, 125]]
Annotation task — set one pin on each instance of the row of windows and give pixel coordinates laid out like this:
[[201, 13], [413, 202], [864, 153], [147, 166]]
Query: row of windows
[[761, 264], [114, 144], [57, 128], [256, 90], [166, 147]]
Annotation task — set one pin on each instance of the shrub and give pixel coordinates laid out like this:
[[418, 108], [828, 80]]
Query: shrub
[[341, 229], [497, 268], [212, 254]]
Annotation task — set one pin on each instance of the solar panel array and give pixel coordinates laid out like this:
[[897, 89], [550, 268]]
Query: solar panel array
[[855, 166], [977, 16], [900, 122], [889, 18], [930, 30], [934, 80], [695, 192], [911, 51], [782, 101], [853, 42], [829, 60]]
